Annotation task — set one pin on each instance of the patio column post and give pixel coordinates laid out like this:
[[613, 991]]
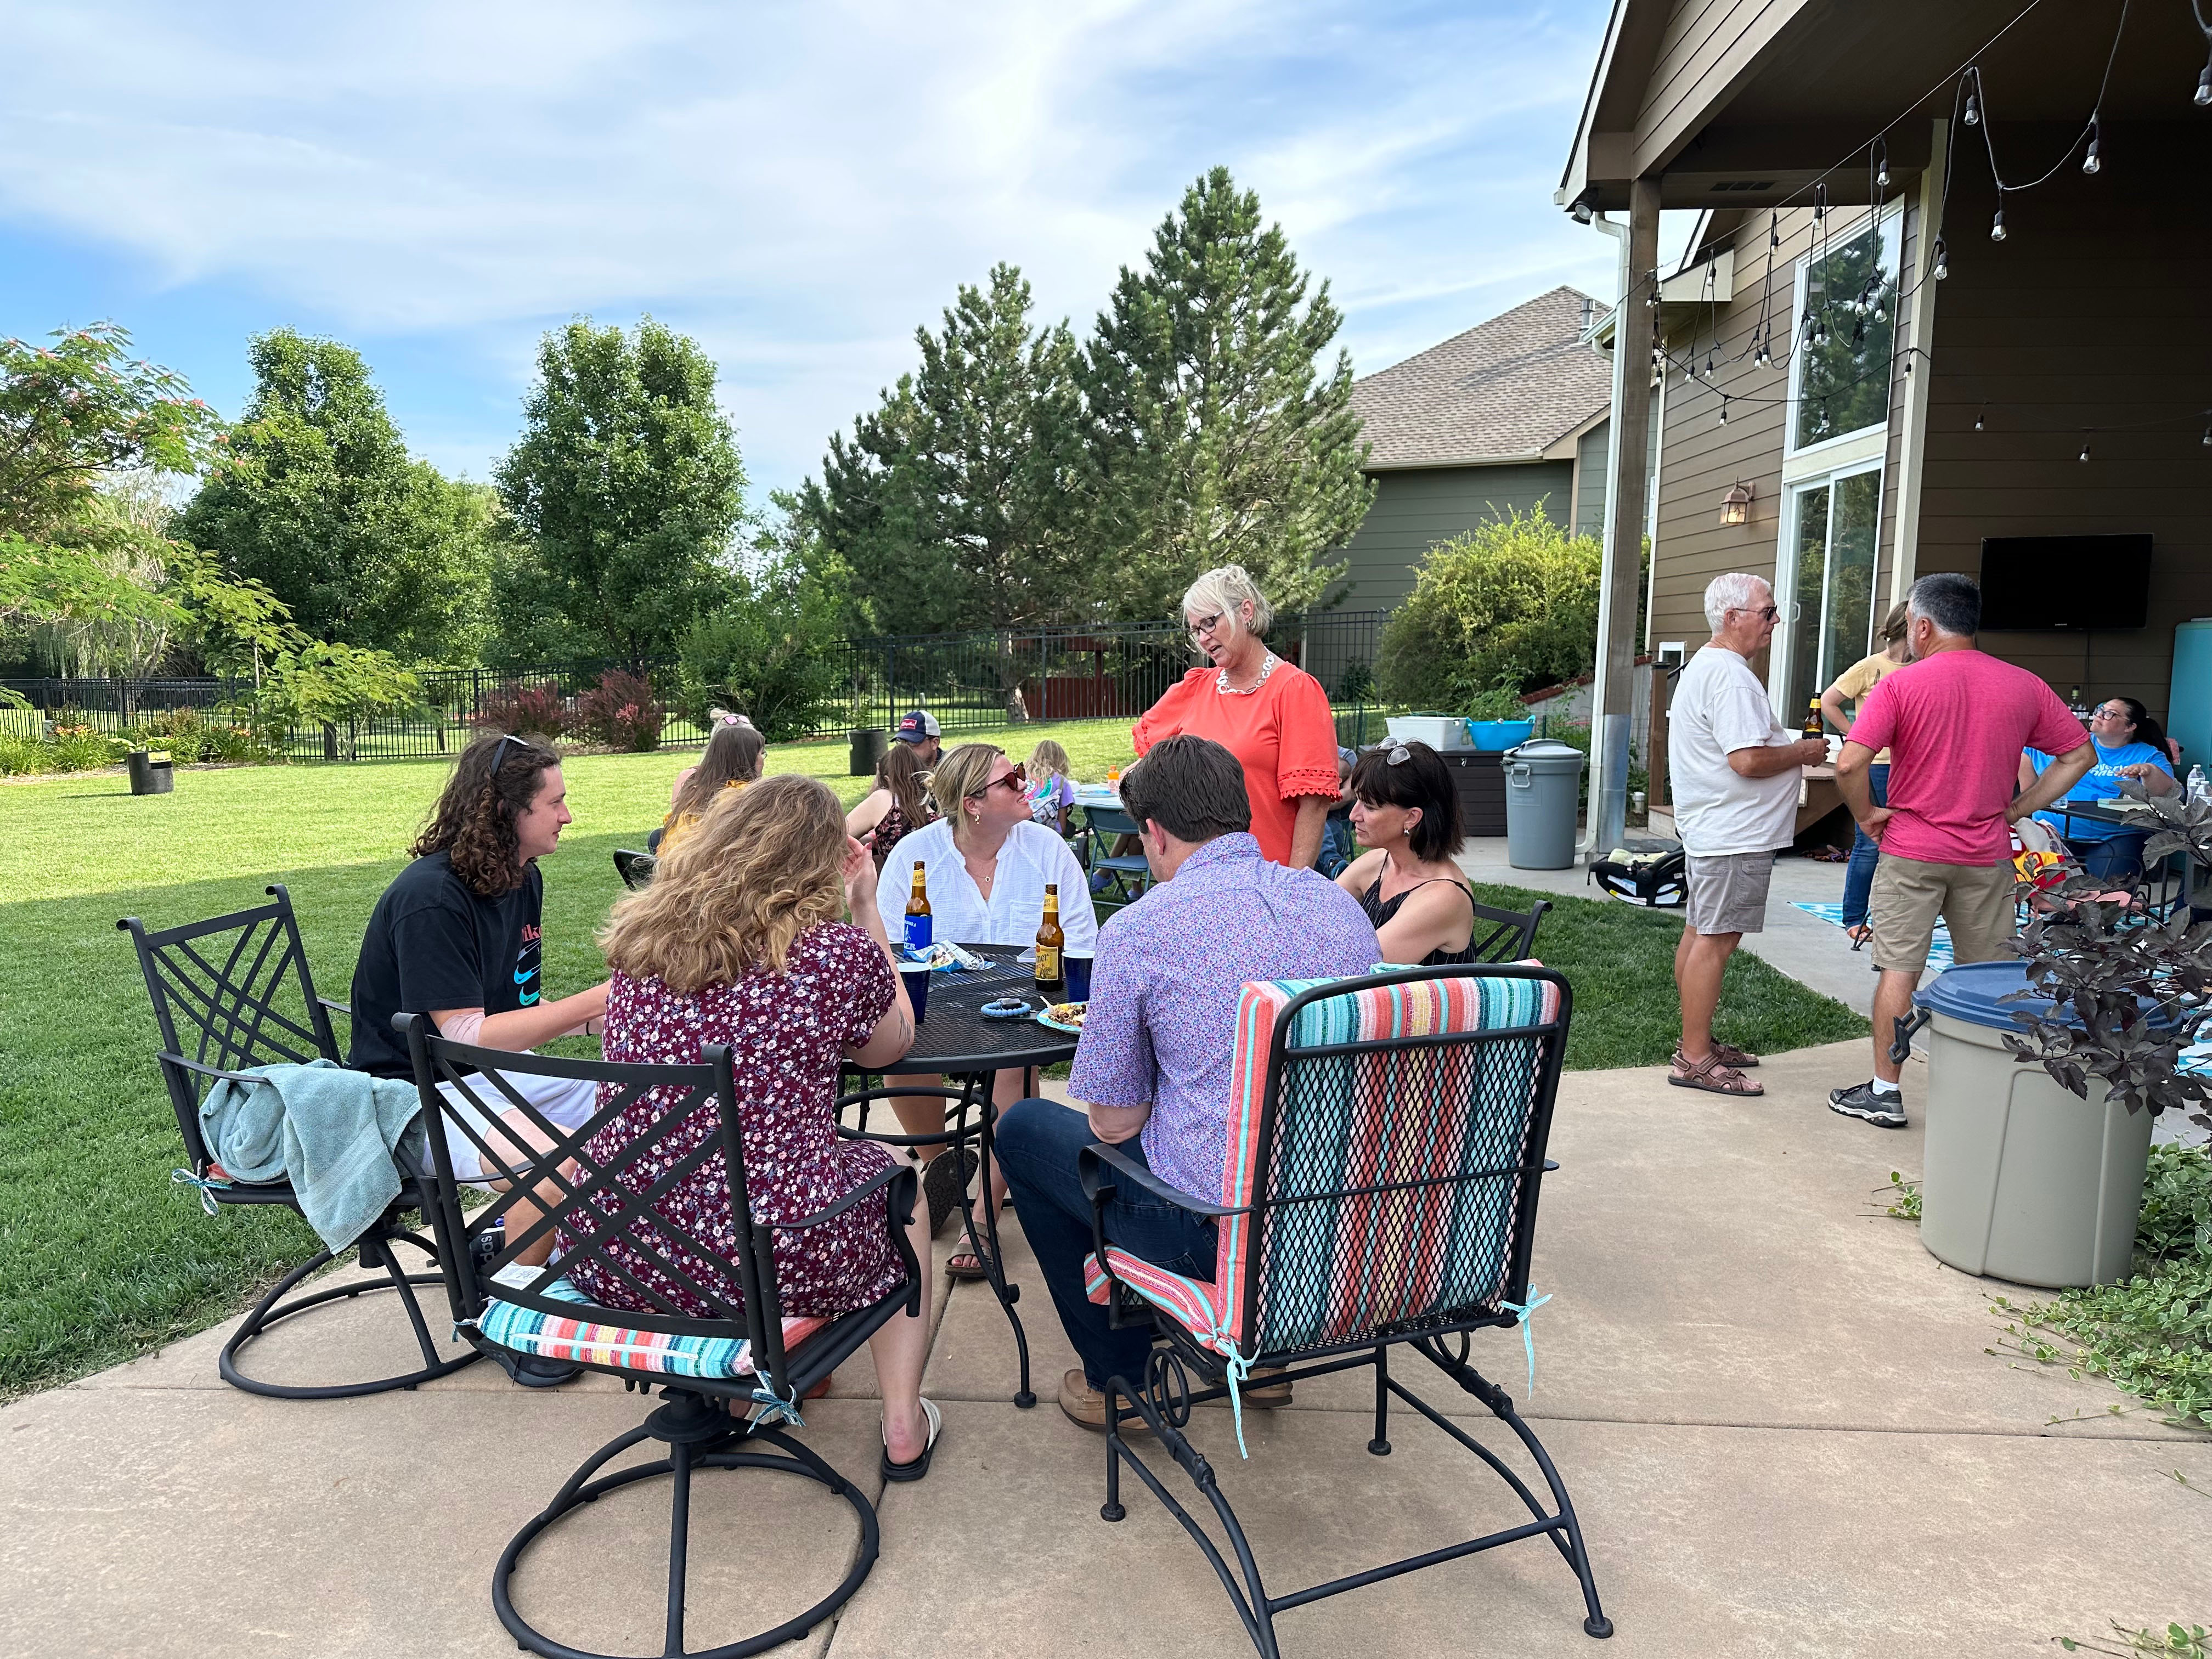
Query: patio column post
[[1613, 696]]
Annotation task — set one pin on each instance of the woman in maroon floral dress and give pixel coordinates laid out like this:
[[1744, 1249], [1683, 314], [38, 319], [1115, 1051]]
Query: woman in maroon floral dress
[[741, 940]]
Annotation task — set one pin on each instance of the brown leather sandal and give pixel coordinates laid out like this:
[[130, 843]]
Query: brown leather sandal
[[1713, 1074], [1742, 1058]]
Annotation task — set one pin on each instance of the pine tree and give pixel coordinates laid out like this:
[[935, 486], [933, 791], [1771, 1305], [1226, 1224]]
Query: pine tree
[[949, 504], [1212, 438]]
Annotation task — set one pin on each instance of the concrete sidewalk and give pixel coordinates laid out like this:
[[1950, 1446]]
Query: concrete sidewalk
[[1778, 1416]]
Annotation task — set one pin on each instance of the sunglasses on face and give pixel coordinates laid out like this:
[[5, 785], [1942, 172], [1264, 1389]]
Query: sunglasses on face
[[1012, 781]]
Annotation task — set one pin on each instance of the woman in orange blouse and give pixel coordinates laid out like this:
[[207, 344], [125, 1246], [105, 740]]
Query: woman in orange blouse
[[1271, 715]]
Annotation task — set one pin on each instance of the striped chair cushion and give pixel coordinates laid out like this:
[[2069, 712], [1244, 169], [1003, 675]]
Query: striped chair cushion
[[526, 1330], [1191, 1301], [1340, 1266]]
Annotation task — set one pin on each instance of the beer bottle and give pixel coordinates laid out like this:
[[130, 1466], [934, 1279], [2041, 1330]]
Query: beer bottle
[[1814, 725], [917, 912], [1051, 977]]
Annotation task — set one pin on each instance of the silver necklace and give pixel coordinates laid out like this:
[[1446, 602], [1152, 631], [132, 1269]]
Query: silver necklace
[[1221, 680]]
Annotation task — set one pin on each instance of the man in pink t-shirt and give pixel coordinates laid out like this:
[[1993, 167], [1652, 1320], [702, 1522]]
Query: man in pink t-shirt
[[1954, 721]]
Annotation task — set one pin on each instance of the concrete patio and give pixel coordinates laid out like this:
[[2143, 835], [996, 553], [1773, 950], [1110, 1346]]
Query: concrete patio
[[1776, 1412]]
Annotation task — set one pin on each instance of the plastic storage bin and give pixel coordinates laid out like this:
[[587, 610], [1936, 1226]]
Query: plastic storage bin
[[1543, 784], [2021, 1179], [1437, 731]]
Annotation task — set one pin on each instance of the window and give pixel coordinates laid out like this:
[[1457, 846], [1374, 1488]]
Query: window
[[1827, 570], [1846, 336]]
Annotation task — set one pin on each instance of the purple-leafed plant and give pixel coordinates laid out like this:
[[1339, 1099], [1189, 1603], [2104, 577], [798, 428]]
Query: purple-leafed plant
[[2127, 992]]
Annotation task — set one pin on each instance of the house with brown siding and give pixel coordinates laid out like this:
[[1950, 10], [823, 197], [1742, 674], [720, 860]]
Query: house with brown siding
[[1507, 416], [1885, 410]]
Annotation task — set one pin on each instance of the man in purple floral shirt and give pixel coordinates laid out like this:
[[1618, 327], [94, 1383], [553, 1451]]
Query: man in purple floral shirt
[[1159, 1040]]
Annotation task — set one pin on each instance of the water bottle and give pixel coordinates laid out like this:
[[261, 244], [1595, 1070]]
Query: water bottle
[[2197, 790]]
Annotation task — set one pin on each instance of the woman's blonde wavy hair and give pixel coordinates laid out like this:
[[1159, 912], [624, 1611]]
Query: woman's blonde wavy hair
[[764, 865]]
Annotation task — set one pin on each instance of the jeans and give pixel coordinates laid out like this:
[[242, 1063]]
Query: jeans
[[1037, 1143], [1858, 875]]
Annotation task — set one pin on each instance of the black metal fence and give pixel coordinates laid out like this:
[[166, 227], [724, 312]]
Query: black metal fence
[[969, 681]]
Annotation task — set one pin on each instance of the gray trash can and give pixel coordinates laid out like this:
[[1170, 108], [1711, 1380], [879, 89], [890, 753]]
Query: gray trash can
[[2022, 1179], [1543, 784]]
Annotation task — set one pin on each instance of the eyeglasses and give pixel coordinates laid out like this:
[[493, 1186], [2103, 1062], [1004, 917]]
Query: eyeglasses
[[1204, 624], [2118, 713]]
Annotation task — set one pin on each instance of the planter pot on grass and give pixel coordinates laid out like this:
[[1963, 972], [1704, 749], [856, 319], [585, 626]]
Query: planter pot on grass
[[870, 745], [2023, 1179]]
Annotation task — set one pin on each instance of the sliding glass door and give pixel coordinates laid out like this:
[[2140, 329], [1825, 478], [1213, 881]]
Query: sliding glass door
[[1827, 587]]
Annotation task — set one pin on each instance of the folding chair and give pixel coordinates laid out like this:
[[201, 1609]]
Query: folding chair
[[746, 1352], [635, 868], [238, 984], [1386, 1151], [1128, 874]]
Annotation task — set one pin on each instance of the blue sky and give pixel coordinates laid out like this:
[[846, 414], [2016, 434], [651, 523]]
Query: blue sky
[[798, 186]]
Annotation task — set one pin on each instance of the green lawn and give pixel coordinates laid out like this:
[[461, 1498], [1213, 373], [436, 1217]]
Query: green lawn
[[101, 1258]]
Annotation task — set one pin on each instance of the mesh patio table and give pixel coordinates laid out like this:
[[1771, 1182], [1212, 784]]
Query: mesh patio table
[[955, 1040]]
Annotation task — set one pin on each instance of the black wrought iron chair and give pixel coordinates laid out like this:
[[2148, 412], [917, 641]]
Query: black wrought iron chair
[[234, 992], [1386, 1154], [635, 868], [746, 1353], [1512, 935]]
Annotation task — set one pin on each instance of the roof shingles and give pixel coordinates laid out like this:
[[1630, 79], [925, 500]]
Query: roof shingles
[[1503, 390]]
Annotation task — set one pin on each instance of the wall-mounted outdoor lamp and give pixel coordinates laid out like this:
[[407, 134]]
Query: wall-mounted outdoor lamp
[[1736, 505]]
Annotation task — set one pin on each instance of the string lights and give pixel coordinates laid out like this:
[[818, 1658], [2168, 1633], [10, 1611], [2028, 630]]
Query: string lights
[[1971, 109]]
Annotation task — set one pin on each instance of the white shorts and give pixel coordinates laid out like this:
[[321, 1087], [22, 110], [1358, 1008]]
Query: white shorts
[[567, 1103]]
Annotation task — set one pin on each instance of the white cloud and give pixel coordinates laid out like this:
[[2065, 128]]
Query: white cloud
[[800, 186]]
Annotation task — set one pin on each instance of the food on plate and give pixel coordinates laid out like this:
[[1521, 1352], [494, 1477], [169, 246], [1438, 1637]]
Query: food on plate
[[1068, 1013]]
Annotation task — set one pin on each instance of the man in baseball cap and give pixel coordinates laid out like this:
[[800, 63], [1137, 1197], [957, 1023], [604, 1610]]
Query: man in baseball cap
[[920, 728]]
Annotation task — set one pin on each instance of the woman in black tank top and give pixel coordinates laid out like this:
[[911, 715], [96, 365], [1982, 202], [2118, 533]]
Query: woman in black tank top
[[1405, 810]]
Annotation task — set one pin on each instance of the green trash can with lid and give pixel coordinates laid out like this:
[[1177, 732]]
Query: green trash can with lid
[[1543, 797]]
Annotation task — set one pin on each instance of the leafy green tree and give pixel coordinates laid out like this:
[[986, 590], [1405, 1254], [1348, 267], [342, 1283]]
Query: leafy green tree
[[951, 505], [1510, 605], [1213, 437], [626, 485], [774, 650], [320, 501], [80, 411]]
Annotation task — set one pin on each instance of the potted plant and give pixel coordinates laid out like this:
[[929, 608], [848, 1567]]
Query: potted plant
[[2022, 1181]]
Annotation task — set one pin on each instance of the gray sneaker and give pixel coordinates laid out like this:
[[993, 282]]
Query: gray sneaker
[[1859, 1100]]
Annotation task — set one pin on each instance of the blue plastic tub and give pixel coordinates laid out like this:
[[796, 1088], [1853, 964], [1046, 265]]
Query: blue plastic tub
[[1500, 734]]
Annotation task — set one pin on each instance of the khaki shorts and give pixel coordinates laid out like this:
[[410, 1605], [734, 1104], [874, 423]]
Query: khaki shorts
[[1975, 900], [1727, 894]]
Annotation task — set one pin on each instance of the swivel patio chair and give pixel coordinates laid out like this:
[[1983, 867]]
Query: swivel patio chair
[[747, 1353], [238, 986], [1386, 1153], [635, 868]]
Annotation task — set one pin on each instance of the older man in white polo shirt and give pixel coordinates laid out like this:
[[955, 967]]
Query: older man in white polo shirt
[[1735, 768]]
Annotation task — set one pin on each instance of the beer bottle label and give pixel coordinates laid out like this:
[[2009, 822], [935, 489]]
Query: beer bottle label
[[1048, 964], [917, 932]]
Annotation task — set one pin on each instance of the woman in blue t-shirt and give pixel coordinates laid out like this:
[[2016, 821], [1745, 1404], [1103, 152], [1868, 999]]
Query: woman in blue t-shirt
[[2130, 745]]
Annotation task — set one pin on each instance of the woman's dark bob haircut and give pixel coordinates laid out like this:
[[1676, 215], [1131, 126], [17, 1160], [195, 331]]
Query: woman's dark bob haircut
[[1418, 779]]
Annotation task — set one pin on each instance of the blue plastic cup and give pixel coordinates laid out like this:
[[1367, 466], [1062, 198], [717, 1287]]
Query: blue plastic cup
[[1076, 964], [915, 976]]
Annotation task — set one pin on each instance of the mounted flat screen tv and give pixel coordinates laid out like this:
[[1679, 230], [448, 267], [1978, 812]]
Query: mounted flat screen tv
[[2093, 583]]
